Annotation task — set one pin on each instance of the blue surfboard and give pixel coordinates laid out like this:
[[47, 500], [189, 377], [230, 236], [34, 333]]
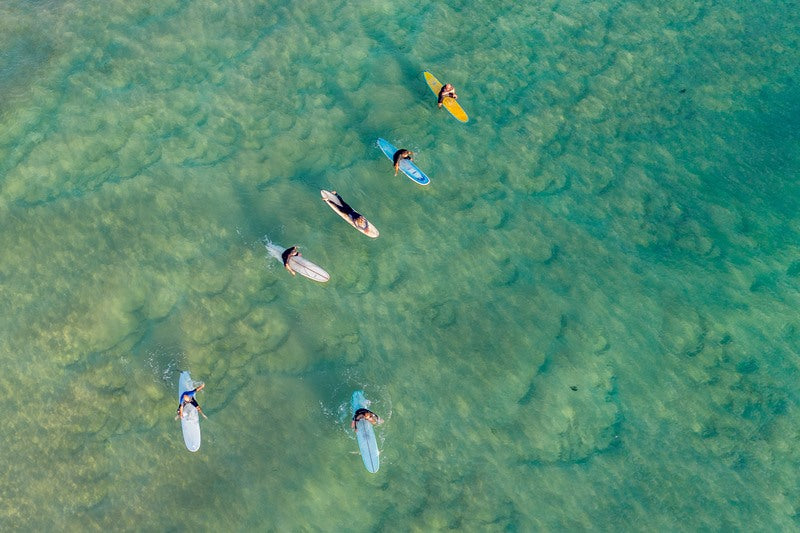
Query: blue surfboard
[[407, 167], [365, 435]]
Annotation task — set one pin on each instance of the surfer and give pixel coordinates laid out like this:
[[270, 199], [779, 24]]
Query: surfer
[[188, 398], [362, 413], [286, 255], [445, 91], [401, 154], [357, 218]]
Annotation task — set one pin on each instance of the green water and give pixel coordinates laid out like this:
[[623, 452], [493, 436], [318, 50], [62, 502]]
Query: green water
[[586, 321]]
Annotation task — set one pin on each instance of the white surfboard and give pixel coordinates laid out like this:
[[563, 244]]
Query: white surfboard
[[300, 264], [190, 423]]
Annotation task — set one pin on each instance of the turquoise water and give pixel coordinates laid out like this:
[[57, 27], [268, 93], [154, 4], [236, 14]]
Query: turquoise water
[[586, 321]]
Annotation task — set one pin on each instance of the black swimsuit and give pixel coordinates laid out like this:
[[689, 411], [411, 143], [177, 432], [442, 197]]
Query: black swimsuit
[[400, 153], [347, 210], [361, 413], [443, 93], [287, 254]]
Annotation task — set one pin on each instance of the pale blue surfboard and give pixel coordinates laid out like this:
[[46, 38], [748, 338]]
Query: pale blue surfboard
[[190, 423], [365, 434], [406, 167]]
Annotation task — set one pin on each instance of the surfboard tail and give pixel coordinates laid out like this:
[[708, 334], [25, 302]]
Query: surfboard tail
[[358, 400]]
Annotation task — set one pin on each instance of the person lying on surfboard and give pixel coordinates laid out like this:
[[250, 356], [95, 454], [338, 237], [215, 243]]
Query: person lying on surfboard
[[362, 413], [188, 397], [357, 218], [401, 154], [445, 91], [288, 253]]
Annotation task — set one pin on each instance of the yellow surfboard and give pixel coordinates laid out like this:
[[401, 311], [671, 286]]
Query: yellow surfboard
[[451, 104]]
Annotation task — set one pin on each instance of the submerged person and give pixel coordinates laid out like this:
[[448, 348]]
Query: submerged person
[[365, 414], [188, 398], [401, 154], [357, 218], [288, 254], [445, 91]]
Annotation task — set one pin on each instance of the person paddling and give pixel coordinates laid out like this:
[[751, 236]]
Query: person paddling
[[364, 414], [288, 254], [445, 91], [401, 154], [187, 397], [342, 206]]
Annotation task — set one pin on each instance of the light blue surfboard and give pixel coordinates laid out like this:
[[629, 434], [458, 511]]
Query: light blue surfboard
[[406, 167], [365, 435], [190, 423]]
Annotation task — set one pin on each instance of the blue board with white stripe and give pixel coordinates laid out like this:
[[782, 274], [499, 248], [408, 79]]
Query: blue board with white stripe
[[407, 166]]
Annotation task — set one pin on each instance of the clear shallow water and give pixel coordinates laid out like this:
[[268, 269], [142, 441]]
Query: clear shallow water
[[619, 216]]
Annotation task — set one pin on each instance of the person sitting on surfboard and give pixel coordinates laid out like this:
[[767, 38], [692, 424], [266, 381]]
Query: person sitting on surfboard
[[357, 218], [288, 253], [445, 91], [362, 413], [188, 397], [401, 154]]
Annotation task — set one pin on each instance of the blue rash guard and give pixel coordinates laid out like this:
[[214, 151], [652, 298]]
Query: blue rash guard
[[190, 394]]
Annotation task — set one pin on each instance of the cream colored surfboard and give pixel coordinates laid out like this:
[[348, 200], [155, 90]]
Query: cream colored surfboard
[[367, 229]]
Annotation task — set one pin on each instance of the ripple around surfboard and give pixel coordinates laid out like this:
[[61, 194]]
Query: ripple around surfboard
[[406, 167], [451, 104]]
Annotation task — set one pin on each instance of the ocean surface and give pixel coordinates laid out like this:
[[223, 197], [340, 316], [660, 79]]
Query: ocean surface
[[587, 321]]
